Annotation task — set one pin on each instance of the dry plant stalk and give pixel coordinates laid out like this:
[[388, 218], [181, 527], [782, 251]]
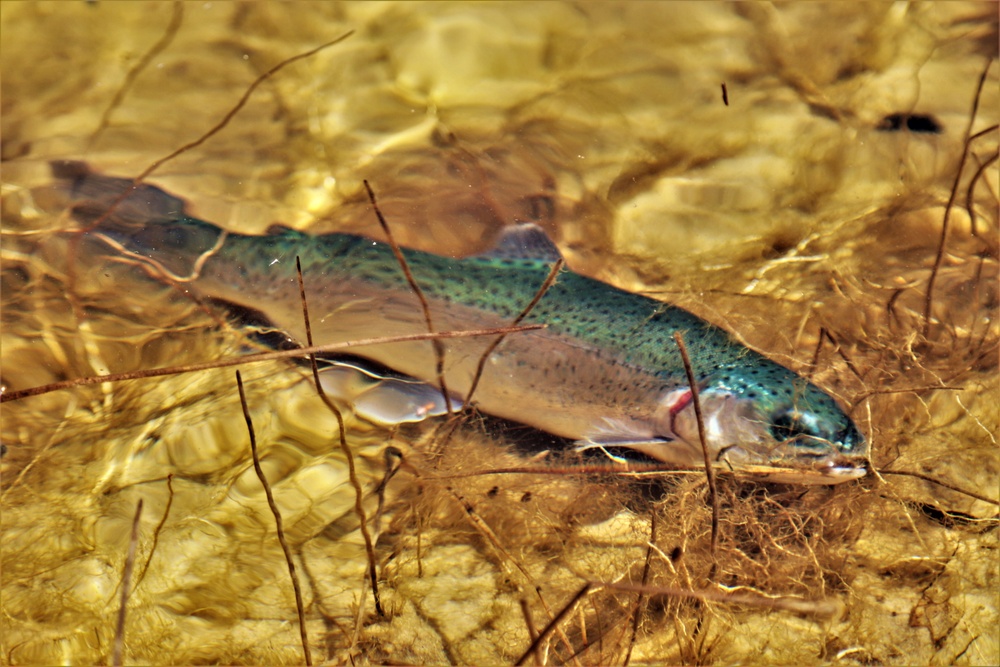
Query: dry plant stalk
[[419, 293], [359, 493], [709, 470], [553, 624], [133, 73], [542, 290], [156, 531], [133, 542], [945, 221], [252, 358], [299, 608]]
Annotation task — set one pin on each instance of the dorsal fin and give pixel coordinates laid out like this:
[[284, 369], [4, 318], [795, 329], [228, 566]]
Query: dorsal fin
[[524, 240]]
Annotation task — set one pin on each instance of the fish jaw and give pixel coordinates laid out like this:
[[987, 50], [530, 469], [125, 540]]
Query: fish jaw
[[740, 437]]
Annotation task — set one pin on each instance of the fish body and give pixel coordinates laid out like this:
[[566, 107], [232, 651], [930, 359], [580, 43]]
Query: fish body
[[605, 372]]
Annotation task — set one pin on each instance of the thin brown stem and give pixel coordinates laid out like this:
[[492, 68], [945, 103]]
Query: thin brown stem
[[843, 355], [359, 494], [553, 624], [709, 470], [162, 43], [945, 222], [419, 293], [529, 623], [549, 281], [815, 358], [947, 485], [159, 527], [972, 188], [822, 608], [253, 358], [641, 597], [299, 608], [218, 127], [133, 542]]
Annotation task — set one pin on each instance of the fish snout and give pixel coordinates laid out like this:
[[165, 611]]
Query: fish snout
[[740, 435]]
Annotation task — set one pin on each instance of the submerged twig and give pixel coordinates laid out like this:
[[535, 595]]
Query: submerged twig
[[822, 608], [546, 284], [529, 623], [393, 464], [119, 645], [215, 129], [972, 187], [814, 362], [352, 472], [159, 527], [947, 485], [253, 358], [709, 470], [277, 522], [553, 624], [168, 36], [419, 293], [490, 535], [641, 597], [946, 220]]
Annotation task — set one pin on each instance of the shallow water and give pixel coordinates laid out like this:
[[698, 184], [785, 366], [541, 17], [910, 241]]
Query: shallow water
[[795, 210]]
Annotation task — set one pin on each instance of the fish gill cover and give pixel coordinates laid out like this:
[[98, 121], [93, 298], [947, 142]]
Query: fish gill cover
[[807, 213]]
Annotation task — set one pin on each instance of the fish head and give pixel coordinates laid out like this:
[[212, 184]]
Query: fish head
[[772, 423]]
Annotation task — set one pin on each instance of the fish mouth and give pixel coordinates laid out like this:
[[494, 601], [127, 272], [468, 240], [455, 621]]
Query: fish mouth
[[797, 469], [739, 440]]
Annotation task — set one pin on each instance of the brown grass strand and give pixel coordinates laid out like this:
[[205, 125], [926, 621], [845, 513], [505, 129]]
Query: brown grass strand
[[826, 608], [947, 485], [641, 597], [359, 494], [490, 535], [709, 470], [549, 281], [843, 355], [215, 129], [553, 624], [973, 222], [419, 293], [629, 468], [156, 531], [529, 623], [305, 320], [162, 43], [299, 608], [252, 358], [133, 542], [946, 219], [814, 362], [393, 464]]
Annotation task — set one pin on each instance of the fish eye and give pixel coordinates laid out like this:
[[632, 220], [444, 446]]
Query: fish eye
[[790, 424]]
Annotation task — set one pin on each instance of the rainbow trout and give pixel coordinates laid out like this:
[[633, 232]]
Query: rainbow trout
[[605, 372]]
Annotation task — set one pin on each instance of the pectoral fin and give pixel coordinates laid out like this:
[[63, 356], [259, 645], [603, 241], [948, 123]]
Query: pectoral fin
[[639, 437], [384, 400]]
